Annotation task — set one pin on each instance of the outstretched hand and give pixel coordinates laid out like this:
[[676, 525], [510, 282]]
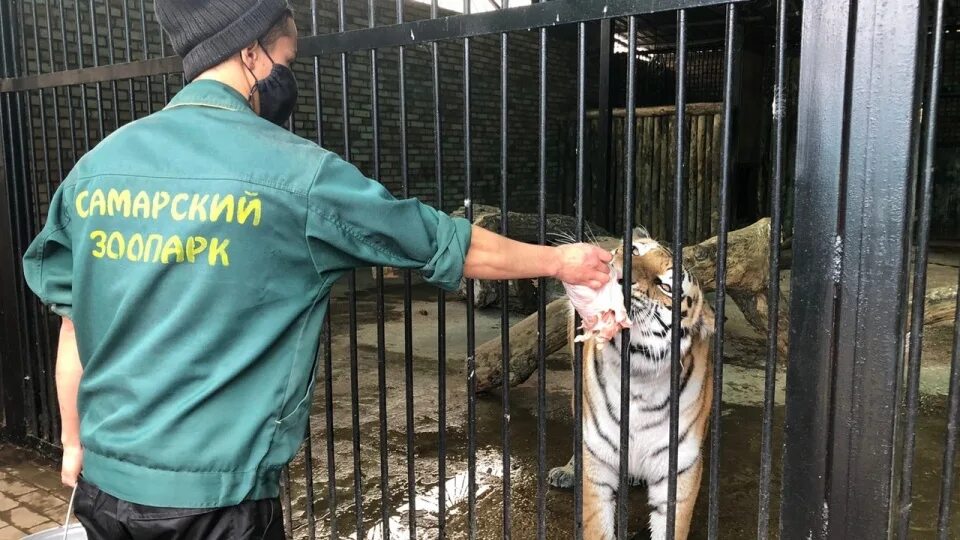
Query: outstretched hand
[[583, 264]]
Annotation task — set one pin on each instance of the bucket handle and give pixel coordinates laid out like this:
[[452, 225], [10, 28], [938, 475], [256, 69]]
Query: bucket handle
[[66, 521]]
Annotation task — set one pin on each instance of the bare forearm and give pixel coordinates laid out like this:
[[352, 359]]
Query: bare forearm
[[68, 373], [492, 256]]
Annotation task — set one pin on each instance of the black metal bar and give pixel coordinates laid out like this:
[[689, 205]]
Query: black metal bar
[[773, 288], [128, 56], [407, 293], [62, 173], [920, 277], [41, 327], [328, 408], [823, 102], [111, 60], [629, 179], [146, 54], [69, 91], [542, 301], [864, 183], [56, 100], [95, 41], [24, 198], [83, 87], [14, 402], [97, 74], [953, 419], [677, 285], [601, 185], [308, 473], [504, 285], [578, 347], [471, 287], [352, 293], [521, 18], [327, 342], [713, 517], [441, 302], [177, 69], [381, 308], [285, 501], [876, 217]]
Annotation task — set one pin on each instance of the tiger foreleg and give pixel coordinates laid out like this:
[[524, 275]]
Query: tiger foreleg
[[688, 485], [599, 498]]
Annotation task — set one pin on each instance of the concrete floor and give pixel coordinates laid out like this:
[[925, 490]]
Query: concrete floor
[[741, 424]]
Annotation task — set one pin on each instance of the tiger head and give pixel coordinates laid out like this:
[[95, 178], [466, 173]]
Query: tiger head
[[652, 298]]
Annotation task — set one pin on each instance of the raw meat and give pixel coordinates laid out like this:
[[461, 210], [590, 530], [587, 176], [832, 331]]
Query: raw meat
[[601, 310]]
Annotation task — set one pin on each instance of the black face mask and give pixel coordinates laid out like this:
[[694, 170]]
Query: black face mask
[[278, 93]]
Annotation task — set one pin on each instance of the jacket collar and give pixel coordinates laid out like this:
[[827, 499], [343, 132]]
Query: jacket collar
[[209, 93]]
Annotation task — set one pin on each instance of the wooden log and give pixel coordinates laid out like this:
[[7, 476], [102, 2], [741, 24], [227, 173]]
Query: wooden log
[[747, 271], [940, 305]]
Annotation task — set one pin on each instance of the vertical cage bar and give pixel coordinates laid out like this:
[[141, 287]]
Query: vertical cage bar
[[166, 79], [352, 292], [308, 473], [16, 406], [407, 292], [128, 56], [920, 278], [504, 285], [328, 407], [41, 326], [25, 223], [773, 294], [629, 179], [68, 91], [713, 511], [146, 54], [112, 60], [603, 204], [83, 87], [578, 347], [677, 285], [471, 286], [56, 99], [95, 41], [441, 300], [381, 308], [542, 300], [285, 501], [325, 332]]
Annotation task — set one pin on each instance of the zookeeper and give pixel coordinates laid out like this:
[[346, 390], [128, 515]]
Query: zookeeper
[[191, 256]]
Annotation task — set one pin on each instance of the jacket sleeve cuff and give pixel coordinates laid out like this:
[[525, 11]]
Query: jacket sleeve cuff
[[445, 269]]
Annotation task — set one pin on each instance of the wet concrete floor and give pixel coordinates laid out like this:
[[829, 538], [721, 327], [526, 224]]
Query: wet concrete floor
[[741, 423]]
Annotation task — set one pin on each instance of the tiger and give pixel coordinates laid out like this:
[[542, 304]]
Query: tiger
[[650, 354]]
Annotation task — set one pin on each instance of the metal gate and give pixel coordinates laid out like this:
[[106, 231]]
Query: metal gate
[[73, 72]]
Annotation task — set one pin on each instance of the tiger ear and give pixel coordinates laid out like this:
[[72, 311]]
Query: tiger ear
[[640, 233]]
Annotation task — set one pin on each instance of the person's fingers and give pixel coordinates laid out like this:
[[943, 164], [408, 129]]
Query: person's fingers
[[604, 255]]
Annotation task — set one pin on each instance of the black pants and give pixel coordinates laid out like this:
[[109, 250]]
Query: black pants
[[107, 518]]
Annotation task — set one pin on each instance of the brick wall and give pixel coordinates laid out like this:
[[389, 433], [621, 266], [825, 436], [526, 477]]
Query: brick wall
[[523, 89]]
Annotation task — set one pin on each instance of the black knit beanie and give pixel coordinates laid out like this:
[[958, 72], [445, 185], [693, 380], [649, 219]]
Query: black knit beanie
[[207, 32]]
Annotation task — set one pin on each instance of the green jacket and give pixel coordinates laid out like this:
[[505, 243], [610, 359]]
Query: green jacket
[[194, 250]]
